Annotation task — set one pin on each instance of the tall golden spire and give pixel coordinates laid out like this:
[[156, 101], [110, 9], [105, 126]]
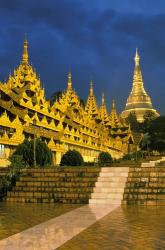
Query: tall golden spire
[[114, 118], [137, 58], [91, 105], [103, 99], [113, 104], [103, 111], [91, 88], [138, 88], [69, 80], [138, 100], [25, 55]]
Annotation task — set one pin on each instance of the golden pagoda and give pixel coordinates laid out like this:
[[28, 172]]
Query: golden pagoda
[[64, 125], [138, 101], [103, 112]]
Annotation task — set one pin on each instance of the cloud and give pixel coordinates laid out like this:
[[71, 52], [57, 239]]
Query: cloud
[[95, 40]]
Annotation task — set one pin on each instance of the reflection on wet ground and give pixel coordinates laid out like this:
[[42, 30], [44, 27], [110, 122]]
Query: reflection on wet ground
[[131, 227], [53, 233], [15, 217]]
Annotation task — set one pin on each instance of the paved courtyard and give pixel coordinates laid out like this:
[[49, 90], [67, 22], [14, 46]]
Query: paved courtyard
[[95, 227]]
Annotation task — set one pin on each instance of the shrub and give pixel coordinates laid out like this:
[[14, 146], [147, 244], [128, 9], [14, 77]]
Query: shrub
[[26, 150], [4, 186], [139, 155], [17, 162], [104, 158], [72, 158]]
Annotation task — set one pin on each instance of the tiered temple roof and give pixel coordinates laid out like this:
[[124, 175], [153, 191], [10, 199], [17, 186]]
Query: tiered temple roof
[[67, 124]]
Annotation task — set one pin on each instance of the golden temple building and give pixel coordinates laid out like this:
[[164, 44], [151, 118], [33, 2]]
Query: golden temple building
[[138, 100], [67, 124]]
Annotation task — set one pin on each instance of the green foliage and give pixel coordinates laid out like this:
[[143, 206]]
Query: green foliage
[[145, 141], [135, 156], [72, 158], [26, 150], [156, 132], [43, 154], [5, 182], [132, 120], [148, 118], [104, 158], [17, 162]]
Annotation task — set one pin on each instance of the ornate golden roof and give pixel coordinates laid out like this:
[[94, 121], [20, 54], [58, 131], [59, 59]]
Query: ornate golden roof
[[103, 112], [67, 123]]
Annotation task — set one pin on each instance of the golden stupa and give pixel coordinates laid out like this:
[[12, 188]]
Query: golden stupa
[[138, 100]]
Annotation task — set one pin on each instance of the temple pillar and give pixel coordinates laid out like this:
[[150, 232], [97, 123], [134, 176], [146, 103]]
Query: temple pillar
[[58, 158]]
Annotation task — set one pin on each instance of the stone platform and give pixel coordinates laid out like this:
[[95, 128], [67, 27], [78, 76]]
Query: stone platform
[[64, 185], [146, 184]]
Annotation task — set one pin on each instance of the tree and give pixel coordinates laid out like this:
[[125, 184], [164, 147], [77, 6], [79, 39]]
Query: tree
[[26, 150], [104, 158], [157, 134], [145, 142], [132, 120], [72, 158], [149, 116]]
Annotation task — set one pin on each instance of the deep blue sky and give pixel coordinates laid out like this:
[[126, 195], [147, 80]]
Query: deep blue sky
[[95, 38]]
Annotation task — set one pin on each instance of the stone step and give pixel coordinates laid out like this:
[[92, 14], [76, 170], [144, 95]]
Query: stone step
[[63, 170], [108, 190], [147, 196], [53, 189], [113, 174], [150, 174], [105, 201], [115, 169], [144, 190], [46, 200], [148, 164], [54, 184], [112, 179], [60, 175], [107, 196], [57, 179], [108, 184], [48, 195]]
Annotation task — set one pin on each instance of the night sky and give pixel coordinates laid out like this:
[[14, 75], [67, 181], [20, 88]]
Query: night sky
[[94, 38]]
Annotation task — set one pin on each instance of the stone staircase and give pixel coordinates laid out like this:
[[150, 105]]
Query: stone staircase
[[130, 184], [109, 188], [66, 185], [4, 171], [146, 184]]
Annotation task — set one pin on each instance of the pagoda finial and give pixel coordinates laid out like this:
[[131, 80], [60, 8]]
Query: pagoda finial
[[69, 80], [103, 99], [113, 104], [137, 58], [91, 88], [25, 51]]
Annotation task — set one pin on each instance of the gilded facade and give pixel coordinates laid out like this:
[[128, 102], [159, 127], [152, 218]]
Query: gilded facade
[[67, 124], [138, 100]]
